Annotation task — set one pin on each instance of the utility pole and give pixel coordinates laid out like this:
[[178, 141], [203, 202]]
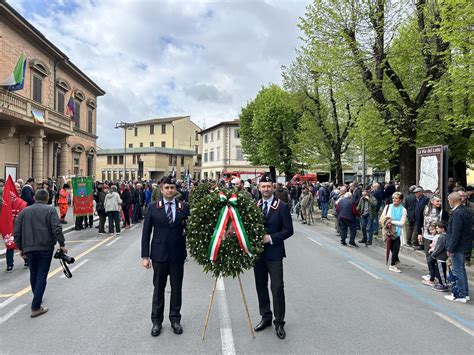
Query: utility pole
[[125, 126]]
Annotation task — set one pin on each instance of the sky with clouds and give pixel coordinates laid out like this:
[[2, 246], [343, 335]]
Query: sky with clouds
[[156, 58]]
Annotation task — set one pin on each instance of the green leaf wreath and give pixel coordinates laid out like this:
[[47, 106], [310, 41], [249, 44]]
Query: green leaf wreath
[[201, 191], [231, 260]]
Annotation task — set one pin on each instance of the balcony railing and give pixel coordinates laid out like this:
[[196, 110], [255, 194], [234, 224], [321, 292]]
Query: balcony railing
[[22, 106]]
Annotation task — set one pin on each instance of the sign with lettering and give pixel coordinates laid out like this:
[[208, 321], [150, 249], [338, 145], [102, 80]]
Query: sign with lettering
[[429, 168]]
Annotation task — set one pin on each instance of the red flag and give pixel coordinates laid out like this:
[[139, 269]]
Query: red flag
[[12, 205]]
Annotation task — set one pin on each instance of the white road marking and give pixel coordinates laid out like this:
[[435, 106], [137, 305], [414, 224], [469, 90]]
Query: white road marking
[[365, 270], [455, 323], [314, 241], [77, 266], [112, 242], [7, 302], [227, 339], [7, 316]]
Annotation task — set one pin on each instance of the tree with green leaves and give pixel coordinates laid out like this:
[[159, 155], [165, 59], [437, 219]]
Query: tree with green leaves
[[267, 130], [328, 96], [365, 30]]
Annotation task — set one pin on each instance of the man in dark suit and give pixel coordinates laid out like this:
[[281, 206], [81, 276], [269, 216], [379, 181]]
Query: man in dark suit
[[278, 227], [167, 218], [410, 203]]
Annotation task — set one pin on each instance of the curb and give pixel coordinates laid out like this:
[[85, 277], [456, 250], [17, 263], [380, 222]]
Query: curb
[[65, 231]]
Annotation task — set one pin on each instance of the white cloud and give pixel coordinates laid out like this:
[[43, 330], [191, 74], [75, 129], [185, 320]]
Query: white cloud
[[160, 58]]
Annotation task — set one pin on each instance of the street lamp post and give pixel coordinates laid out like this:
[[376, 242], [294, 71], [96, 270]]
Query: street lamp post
[[125, 126]]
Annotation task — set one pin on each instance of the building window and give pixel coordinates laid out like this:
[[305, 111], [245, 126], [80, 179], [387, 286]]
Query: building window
[[152, 144], [134, 159], [163, 144], [135, 131], [239, 153], [212, 137], [77, 114], [196, 149], [218, 134], [170, 160], [120, 159], [152, 129], [115, 160], [37, 88], [182, 160], [141, 144], [205, 138], [163, 128], [62, 87], [211, 155], [197, 136], [109, 160], [130, 145], [218, 153], [205, 157], [236, 133], [60, 102], [89, 120], [76, 161]]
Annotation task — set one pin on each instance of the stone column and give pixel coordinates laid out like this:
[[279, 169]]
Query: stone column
[[63, 168], [38, 158]]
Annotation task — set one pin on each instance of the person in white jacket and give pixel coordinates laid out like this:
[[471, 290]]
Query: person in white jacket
[[398, 216], [112, 209]]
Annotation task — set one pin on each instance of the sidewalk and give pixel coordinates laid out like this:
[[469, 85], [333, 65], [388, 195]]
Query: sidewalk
[[419, 255], [68, 227]]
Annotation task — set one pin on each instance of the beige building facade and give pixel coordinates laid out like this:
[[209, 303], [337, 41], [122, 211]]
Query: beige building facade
[[222, 152], [37, 139], [147, 163], [160, 145]]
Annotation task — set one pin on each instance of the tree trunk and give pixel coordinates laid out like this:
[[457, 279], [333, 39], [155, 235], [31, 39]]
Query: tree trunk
[[459, 172], [407, 155], [272, 173], [333, 173], [338, 166]]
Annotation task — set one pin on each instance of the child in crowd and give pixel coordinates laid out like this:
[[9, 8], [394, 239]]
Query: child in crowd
[[431, 261], [440, 255]]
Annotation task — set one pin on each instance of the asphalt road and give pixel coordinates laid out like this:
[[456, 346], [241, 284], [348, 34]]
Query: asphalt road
[[339, 300]]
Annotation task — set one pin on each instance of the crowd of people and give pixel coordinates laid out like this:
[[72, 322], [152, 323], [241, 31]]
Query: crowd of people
[[417, 220]]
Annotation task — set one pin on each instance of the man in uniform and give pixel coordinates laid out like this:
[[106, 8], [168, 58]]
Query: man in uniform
[[167, 218], [278, 227]]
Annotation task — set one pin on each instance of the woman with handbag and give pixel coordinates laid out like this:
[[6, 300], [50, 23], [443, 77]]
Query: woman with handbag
[[393, 220]]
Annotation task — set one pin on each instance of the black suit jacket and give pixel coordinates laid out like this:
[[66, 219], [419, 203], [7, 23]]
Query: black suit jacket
[[169, 241], [458, 233], [279, 225]]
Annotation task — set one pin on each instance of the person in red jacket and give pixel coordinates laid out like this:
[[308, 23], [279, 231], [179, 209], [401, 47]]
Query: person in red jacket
[[63, 202]]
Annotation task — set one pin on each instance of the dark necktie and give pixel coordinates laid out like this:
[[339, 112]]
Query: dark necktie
[[169, 212], [265, 208]]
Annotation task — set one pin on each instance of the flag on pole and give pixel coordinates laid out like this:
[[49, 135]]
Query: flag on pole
[[12, 205], [71, 106], [16, 80]]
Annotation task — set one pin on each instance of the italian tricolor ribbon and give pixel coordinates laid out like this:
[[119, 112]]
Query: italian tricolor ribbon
[[228, 212]]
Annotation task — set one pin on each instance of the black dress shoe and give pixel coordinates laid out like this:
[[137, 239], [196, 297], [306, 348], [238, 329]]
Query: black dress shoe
[[280, 332], [264, 323], [362, 241], [177, 328], [156, 330], [353, 244]]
